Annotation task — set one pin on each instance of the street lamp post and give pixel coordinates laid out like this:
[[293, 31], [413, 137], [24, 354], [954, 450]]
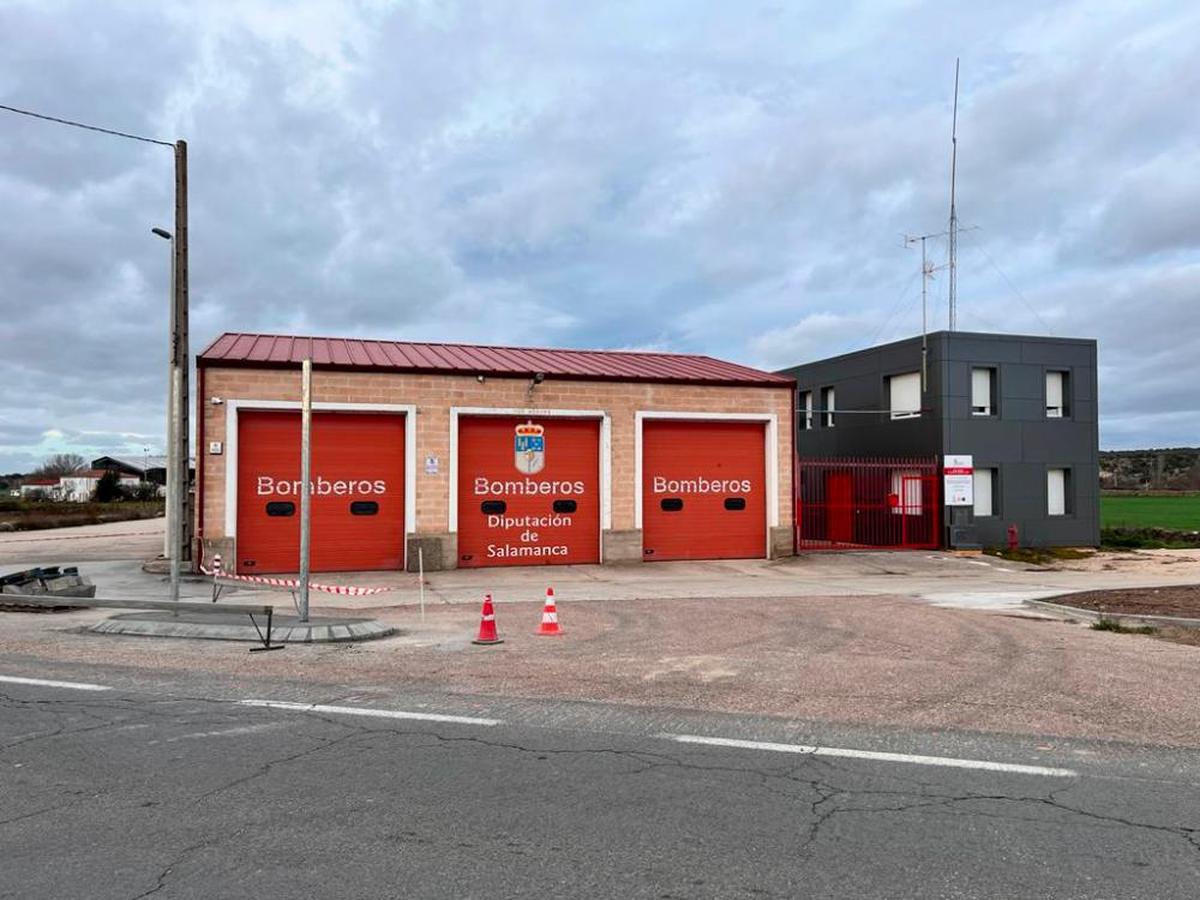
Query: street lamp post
[[171, 486], [176, 472], [179, 305]]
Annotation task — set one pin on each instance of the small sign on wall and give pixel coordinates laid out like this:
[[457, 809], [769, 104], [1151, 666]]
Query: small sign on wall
[[433, 465], [958, 474], [215, 448]]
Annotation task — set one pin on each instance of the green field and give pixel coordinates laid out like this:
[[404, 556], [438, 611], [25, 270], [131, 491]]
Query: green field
[[1180, 513]]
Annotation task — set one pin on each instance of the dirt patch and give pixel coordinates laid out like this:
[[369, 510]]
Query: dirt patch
[[1182, 601], [1131, 562], [1040, 556], [28, 516], [1190, 636], [106, 542]]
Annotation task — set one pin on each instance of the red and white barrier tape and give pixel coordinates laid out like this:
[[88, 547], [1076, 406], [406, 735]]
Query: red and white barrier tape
[[292, 583]]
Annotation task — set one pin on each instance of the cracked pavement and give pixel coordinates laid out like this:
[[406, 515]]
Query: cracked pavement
[[167, 787], [170, 789]]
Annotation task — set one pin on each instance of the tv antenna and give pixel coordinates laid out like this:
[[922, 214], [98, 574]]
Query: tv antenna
[[927, 270]]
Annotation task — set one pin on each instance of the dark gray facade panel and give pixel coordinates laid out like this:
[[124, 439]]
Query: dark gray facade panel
[[991, 437], [1017, 440], [1022, 382], [980, 351], [1085, 411], [1056, 354]]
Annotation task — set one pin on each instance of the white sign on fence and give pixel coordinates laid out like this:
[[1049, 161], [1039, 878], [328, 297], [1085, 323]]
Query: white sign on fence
[[958, 477]]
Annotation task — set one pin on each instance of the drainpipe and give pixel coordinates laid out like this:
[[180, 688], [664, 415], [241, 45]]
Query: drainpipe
[[795, 454], [201, 456]]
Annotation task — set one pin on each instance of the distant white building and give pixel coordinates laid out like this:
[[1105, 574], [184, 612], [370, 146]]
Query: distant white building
[[48, 487], [79, 486], [147, 468]]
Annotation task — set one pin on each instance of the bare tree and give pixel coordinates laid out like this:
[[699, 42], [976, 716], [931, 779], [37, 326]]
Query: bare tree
[[61, 464]]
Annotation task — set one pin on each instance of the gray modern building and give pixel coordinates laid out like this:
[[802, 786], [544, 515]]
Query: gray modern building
[[1023, 408]]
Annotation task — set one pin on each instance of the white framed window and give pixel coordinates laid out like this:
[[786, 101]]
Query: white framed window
[[1057, 392], [983, 383], [904, 392], [805, 407], [1058, 486], [985, 492], [828, 404], [906, 488]]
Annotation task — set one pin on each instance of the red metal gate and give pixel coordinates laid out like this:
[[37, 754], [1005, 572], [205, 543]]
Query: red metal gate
[[862, 504]]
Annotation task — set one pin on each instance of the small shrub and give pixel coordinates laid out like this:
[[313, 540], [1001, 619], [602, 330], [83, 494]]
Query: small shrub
[[1148, 539], [144, 491], [1116, 627], [1039, 556], [108, 488]]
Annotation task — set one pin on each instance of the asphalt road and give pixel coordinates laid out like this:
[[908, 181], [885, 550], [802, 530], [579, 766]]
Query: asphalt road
[[178, 790]]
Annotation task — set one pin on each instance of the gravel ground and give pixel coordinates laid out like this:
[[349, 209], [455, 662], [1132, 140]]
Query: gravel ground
[[1182, 601], [849, 638], [868, 660], [1190, 636], [138, 539]]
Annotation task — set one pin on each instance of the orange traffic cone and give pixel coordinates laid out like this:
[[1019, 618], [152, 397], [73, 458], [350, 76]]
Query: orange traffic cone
[[549, 615], [487, 624]]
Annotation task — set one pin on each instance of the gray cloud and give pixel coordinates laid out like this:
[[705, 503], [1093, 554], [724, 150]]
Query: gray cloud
[[734, 180]]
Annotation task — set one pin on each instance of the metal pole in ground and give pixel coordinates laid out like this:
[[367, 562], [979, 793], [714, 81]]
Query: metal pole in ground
[[421, 577], [305, 475]]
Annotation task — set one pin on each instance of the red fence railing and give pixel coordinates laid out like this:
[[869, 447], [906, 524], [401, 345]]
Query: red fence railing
[[866, 503]]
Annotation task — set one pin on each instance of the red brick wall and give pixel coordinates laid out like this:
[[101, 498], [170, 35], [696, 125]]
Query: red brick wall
[[434, 395]]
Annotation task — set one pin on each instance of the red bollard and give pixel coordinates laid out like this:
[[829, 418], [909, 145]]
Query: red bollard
[[1012, 537]]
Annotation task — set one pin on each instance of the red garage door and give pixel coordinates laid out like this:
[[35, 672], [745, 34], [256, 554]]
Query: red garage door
[[528, 491], [357, 492], [703, 490]]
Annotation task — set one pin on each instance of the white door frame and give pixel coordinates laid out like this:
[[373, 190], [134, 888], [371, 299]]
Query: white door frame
[[770, 456], [408, 410], [605, 453]]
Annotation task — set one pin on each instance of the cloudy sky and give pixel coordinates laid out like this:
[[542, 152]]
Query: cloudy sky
[[729, 178]]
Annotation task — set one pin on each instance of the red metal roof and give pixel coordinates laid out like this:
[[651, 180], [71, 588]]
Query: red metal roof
[[276, 351]]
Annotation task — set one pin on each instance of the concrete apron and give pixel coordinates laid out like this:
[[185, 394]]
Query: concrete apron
[[286, 628]]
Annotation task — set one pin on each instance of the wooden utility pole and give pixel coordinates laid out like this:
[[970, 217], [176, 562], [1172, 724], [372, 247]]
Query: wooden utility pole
[[180, 354], [179, 548]]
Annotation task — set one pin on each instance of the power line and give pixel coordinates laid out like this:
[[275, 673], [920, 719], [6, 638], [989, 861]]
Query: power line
[[124, 134], [1014, 288], [900, 303]]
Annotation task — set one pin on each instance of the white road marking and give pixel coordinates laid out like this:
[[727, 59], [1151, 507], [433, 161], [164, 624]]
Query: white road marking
[[41, 682], [365, 711], [948, 761], [224, 732]]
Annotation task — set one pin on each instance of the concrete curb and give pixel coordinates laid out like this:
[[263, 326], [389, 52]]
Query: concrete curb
[[1092, 615], [315, 632]]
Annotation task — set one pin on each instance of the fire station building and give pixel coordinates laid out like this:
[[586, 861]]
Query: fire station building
[[488, 456]]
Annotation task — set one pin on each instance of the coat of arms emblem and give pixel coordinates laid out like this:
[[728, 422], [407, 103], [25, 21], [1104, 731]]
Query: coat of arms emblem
[[529, 448]]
